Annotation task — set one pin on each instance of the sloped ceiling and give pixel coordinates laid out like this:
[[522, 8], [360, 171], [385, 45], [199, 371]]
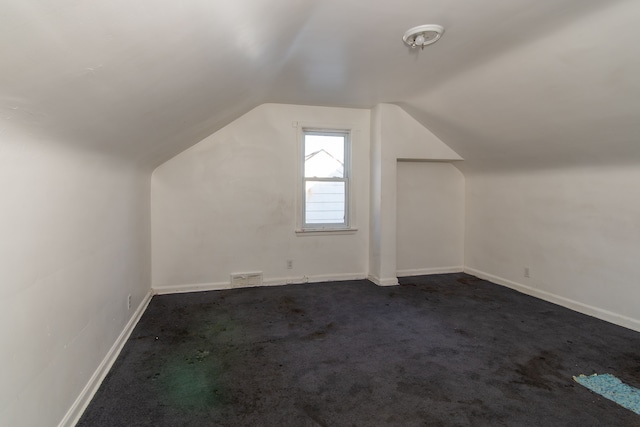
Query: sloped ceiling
[[512, 83]]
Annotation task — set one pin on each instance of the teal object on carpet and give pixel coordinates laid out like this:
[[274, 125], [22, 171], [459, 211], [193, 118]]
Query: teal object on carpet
[[612, 388]]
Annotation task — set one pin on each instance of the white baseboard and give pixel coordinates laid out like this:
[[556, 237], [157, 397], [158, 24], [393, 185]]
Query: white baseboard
[[428, 271], [191, 287], [74, 413], [589, 310], [389, 281], [276, 281], [318, 278]]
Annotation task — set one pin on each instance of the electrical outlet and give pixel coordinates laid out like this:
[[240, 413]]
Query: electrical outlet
[[129, 302], [289, 264], [526, 272]]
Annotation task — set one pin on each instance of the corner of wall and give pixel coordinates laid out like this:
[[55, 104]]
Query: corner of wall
[[74, 413], [389, 281], [589, 310]]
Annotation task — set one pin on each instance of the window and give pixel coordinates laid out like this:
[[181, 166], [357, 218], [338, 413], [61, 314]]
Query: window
[[325, 175]]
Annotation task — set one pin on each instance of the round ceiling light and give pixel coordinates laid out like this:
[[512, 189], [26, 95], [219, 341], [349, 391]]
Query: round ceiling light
[[423, 35]]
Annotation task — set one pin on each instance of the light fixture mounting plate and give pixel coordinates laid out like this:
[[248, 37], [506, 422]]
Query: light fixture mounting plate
[[425, 35]]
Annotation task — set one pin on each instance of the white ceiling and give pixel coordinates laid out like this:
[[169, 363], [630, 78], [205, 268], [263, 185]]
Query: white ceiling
[[511, 84]]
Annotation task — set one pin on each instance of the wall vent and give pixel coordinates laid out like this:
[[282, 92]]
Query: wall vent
[[245, 280]]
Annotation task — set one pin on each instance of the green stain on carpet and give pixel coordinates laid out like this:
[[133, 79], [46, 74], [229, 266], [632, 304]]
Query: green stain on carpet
[[197, 375], [194, 382], [613, 389]]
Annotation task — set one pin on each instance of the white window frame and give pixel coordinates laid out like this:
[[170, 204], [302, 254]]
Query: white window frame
[[326, 227]]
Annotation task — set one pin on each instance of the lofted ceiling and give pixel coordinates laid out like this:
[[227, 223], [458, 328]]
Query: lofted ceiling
[[511, 84]]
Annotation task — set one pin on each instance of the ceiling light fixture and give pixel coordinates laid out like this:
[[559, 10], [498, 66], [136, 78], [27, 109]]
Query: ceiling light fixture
[[423, 35]]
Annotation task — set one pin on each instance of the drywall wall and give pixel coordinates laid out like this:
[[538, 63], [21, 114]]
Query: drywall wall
[[430, 218], [75, 244], [577, 230], [395, 135], [378, 249], [230, 204]]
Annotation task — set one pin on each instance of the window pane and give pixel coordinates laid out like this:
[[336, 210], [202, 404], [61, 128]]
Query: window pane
[[325, 202], [324, 156]]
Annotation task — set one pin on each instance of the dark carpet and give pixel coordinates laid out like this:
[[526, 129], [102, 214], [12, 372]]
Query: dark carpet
[[444, 350]]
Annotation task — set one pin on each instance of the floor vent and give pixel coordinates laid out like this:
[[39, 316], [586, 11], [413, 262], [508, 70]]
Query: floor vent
[[244, 280]]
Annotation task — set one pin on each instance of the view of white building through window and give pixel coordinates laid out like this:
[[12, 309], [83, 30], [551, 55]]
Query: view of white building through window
[[326, 175]]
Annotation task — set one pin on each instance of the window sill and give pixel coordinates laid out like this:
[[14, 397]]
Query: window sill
[[325, 231]]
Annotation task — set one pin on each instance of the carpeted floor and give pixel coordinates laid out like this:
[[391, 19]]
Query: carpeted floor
[[444, 350]]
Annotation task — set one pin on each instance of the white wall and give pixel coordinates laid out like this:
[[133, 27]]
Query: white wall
[[430, 218], [75, 243], [229, 204], [378, 244], [395, 135], [577, 230]]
